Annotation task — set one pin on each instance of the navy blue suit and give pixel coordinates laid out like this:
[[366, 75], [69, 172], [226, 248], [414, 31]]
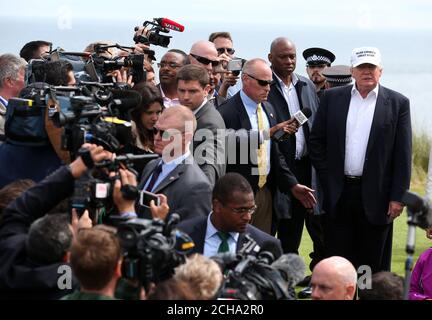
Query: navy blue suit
[[386, 174], [196, 229]]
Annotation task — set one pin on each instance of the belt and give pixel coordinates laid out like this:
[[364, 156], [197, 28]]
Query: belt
[[353, 179]]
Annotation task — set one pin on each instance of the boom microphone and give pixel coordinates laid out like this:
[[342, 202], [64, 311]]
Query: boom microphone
[[169, 24], [291, 267]]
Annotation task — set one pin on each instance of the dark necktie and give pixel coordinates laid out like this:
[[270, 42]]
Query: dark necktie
[[155, 176], [223, 247]]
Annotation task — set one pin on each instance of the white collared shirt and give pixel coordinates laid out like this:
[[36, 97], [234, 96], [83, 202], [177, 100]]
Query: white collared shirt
[[290, 95], [212, 240], [359, 122]]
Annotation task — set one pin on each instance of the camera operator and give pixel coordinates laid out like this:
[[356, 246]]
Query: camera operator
[[34, 245], [95, 257], [224, 229]]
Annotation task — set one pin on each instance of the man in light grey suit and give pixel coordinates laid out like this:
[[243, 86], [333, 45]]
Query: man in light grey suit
[[208, 147], [12, 71], [176, 175]]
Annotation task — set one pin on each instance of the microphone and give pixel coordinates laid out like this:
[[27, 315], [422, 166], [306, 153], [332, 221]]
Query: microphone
[[301, 117], [269, 252], [169, 24], [291, 267]]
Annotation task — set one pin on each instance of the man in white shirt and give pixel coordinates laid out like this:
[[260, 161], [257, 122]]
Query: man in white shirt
[[360, 145]]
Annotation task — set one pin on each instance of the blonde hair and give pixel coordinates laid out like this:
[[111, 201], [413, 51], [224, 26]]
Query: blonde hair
[[202, 274]]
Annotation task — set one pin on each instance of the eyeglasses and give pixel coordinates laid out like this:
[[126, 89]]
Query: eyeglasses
[[262, 83], [205, 61], [171, 65], [227, 50], [241, 211]]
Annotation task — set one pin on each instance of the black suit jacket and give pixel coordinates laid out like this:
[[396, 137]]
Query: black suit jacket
[[306, 94], [387, 167], [196, 229], [186, 187], [19, 277], [236, 118]]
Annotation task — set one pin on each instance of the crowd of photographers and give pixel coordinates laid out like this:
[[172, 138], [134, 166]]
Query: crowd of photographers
[[114, 187]]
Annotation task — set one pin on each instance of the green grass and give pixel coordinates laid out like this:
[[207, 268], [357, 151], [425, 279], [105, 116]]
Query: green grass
[[421, 149]]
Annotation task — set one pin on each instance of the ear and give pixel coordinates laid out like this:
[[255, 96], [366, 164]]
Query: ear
[[270, 57], [350, 292], [207, 89], [118, 269]]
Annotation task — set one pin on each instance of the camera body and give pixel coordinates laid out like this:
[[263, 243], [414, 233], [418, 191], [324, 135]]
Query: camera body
[[235, 65], [419, 210], [152, 248]]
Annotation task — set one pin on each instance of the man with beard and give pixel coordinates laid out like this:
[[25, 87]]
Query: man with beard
[[317, 60], [170, 63]]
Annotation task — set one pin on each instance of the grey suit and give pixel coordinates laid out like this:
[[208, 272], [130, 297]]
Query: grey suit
[[186, 187], [211, 161]]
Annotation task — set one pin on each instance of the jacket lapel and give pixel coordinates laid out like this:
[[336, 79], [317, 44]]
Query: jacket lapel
[[173, 176], [379, 117], [341, 115], [242, 114], [147, 173]]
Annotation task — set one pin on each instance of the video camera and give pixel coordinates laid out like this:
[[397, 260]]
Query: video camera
[[152, 248], [93, 191], [260, 273], [419, 210], [152, 30]]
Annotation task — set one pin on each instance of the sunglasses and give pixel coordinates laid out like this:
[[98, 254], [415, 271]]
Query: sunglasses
[[223, 50], [205, 61], [262, 83], [165, 134]]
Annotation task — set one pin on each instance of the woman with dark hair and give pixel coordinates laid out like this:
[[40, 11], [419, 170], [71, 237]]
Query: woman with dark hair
[[144, 117], [146, 114]]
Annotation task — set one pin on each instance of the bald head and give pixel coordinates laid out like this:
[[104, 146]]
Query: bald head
[[279, 43], [334, 278], [178, 117], [283, 58], [256, 78], [204, 49]]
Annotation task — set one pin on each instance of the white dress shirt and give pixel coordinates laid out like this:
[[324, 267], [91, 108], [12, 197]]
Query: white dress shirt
[[358, 126], [212, 241], [290, 95]]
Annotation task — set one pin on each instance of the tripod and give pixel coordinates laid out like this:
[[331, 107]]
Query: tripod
[[410, 249]]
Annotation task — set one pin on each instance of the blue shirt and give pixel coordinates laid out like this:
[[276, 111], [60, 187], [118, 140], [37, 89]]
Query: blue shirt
[[212, 240], [167, 168]]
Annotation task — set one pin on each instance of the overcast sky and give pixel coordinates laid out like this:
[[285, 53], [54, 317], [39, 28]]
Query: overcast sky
[[366, 14]]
